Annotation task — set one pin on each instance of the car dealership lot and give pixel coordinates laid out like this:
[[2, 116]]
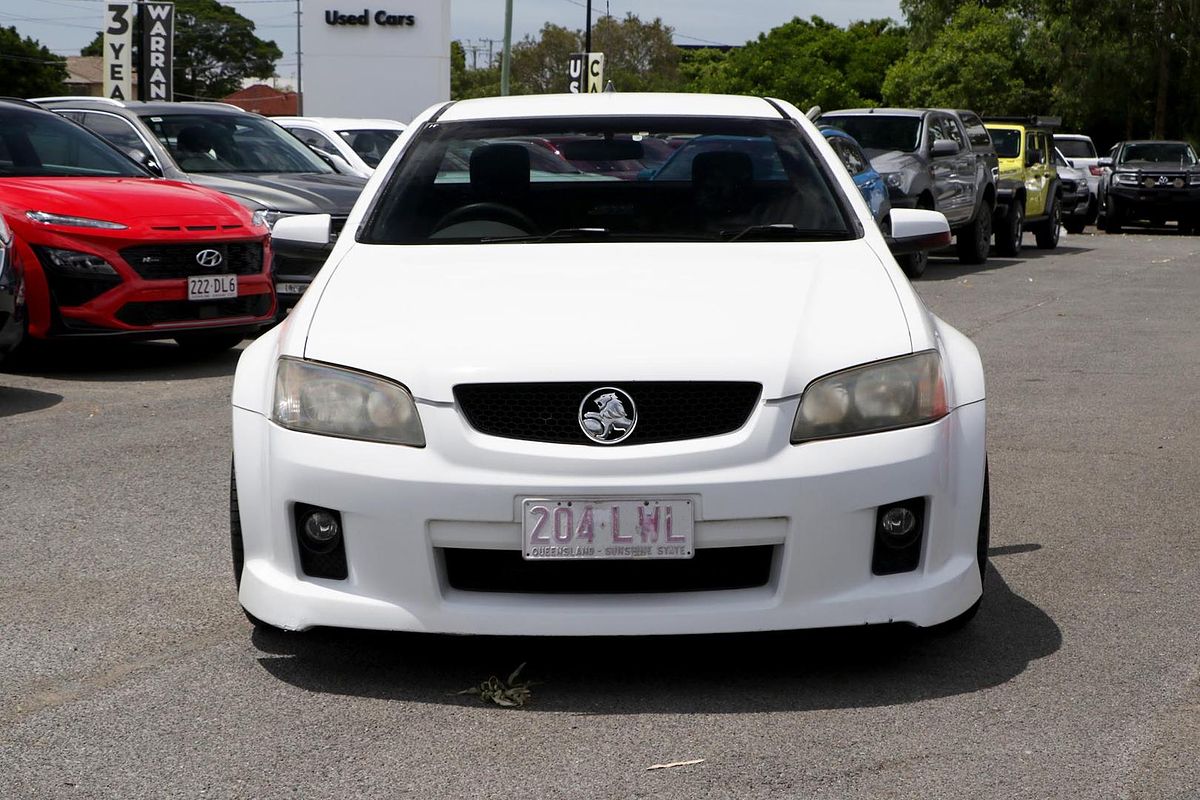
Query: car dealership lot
[[130, 672]]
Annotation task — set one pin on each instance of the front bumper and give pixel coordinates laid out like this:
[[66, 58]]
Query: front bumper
[[815, 504], [1170, 203]]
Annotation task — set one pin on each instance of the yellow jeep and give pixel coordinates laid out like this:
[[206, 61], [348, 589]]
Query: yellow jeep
[[1028, 192]]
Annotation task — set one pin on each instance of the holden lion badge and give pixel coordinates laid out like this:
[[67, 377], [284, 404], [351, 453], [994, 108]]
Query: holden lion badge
[[607, 415]]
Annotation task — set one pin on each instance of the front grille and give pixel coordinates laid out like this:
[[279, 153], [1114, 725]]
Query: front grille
[[166, 261], [159, 313], [709, 570], [667, 411]]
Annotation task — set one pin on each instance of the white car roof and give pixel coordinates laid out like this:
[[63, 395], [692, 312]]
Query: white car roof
[[1077, 136], [614, 104], [346, 123]]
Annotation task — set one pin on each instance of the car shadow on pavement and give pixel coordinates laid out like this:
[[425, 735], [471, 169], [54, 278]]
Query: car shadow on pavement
[[948, 269], [15, 401], [120, 361], [804, 670]]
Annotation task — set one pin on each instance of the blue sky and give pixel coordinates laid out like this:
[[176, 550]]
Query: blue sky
[[66, 25]]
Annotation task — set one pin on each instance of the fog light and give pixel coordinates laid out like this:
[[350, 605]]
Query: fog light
[[321, 531], [899, 529], [898, 521]]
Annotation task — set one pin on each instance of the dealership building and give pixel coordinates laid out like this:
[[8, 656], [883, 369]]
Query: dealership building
[[389, 61]]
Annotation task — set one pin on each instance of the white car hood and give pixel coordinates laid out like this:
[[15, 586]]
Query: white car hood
[[779, 314]]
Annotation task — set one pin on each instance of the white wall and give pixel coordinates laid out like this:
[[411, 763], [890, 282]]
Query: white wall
[[374, 70]]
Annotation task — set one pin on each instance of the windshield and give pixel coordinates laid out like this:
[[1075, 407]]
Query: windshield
[[202, 142], [1075, 148], [371, 145], [880, 131], [34, 144], [1158, 153], [1008, 143], [473, 182]]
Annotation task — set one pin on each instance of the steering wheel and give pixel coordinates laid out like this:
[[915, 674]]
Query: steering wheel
[[496, 212]]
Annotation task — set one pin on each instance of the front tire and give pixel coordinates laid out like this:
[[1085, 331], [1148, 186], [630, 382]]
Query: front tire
[[1011, 231], [974, 241], [1112, 217], [914, 264], [1048, 232]]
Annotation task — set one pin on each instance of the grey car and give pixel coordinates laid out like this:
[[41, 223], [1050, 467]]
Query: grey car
[[937, 159], [241, 154]]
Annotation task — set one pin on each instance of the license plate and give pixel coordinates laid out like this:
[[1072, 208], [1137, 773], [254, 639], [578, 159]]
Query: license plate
[[290, 288], [562, 528], [212, 287]]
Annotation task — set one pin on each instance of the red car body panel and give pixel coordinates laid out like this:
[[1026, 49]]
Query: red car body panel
[[157, 214]]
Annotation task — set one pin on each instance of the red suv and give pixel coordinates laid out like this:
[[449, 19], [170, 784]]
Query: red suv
[[109, 250]]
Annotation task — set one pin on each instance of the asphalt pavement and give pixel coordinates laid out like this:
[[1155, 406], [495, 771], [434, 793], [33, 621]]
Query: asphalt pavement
[[128, 671]]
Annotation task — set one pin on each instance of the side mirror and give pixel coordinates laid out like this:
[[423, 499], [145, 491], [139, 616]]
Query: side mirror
[[1034, 157], [944, 147], [152, 165], [302, 229], [1104, 163], [915, 230]]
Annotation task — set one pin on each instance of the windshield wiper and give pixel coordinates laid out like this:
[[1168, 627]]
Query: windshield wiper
[[560, 233], [782, 230]]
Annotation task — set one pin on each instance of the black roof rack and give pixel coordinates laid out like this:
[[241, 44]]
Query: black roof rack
[[1036, 120]]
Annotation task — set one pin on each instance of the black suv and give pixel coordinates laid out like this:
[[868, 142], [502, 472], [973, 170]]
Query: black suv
[[241, 154], [1150, 181], [937, 159]]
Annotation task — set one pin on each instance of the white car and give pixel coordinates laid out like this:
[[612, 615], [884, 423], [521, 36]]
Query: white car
[[361, 143], [521, 404]]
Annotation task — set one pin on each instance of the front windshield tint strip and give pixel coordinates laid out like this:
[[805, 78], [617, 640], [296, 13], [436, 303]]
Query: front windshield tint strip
[[243, 143], [623, 178]]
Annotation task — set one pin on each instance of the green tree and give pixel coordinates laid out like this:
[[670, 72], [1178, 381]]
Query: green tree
[[466, 82], [539, 65], [215, 50], [638, 56], [27, 69], [806, 62], [990, 60]]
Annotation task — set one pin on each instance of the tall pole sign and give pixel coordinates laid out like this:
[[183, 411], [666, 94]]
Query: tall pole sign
[[158, 51], [118, 51], [585, 73]]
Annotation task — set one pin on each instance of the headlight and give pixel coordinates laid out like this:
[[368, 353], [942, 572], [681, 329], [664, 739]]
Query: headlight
[[1126, 178], [5, 233], [316, 398], [890, 394], [268, 217], [46, 218], [1194, 179], [75, 262]]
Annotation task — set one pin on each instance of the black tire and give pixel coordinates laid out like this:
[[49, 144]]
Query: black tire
[[982, 543], [238, 549], [1075, 226], [208, 344], [914, 264], [1048, 232], [1012, 229], [1112, 217], [974, 242]]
